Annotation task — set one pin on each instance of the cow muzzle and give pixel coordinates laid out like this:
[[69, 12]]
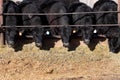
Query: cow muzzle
[[87, 41]]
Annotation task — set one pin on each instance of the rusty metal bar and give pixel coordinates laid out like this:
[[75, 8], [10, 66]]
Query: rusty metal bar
[[118, 10], [101, 25], [1, 22], [60, 13]]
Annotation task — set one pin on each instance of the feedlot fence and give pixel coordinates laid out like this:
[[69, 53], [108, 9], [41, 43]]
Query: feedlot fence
[[74, 13], [2, 27]]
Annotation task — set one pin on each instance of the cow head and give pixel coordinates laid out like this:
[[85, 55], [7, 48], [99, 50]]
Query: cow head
[[87, 33], [87, 30]]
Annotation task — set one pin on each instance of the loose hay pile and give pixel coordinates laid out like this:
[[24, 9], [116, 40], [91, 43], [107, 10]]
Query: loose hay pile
[[59, 64]]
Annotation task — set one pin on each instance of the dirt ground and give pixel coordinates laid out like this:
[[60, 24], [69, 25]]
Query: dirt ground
[[58, 63]]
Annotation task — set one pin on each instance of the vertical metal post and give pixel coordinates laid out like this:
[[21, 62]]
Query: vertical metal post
[[118, 10], [1, 22]]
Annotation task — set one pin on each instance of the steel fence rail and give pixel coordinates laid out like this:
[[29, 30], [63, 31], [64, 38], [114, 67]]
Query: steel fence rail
[[39, 14], [101, 25]]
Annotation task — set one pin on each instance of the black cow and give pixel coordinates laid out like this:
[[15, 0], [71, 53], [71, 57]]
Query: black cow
[[57, 6], [54, 6], [64, 31], [85, 19], [10, 22], [112, 33], [32, 20]]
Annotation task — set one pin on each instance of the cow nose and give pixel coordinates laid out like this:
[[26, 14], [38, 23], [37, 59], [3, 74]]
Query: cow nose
[[10, 44], [39, 45], [87, 41], [66, 44]]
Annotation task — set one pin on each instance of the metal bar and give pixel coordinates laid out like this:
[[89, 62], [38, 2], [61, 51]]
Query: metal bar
[[118, 10], [60, 13], [101, 25], [1, 22]]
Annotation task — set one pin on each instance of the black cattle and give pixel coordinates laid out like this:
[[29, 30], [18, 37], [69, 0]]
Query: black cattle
[[112, 33], [54, 6], [85, 19], [64, 31], [10, 22], [32, 20], [57, 6]]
